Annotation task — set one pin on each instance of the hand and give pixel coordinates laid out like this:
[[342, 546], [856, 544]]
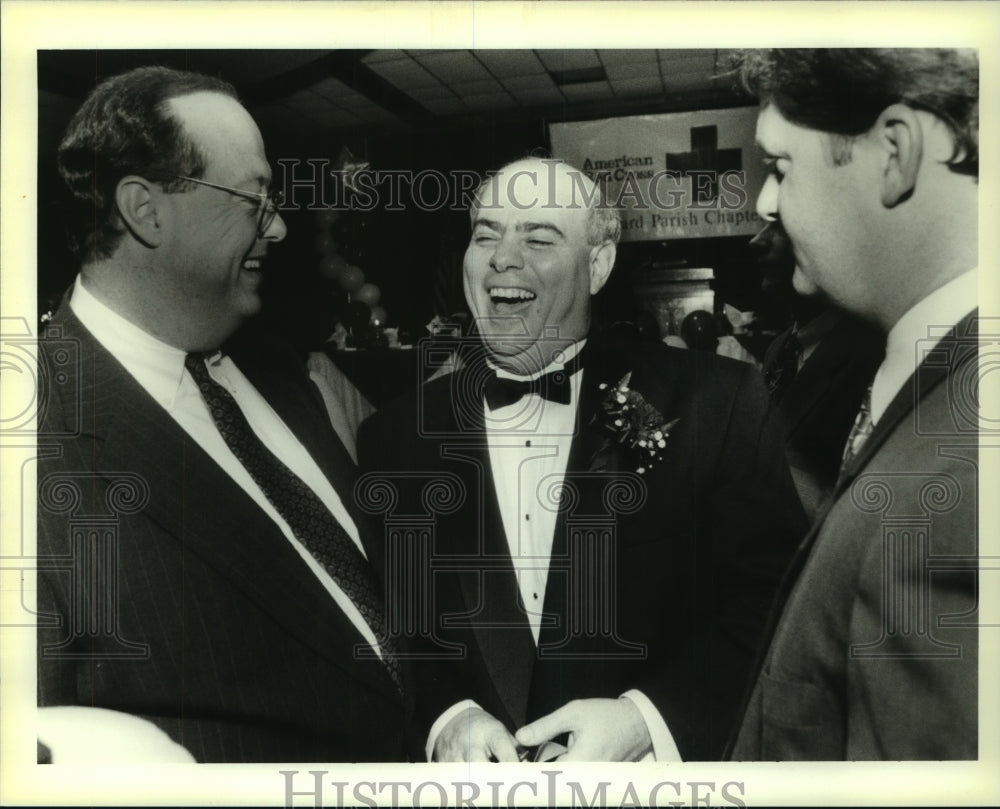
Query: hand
[[474, 735], [599, 730]]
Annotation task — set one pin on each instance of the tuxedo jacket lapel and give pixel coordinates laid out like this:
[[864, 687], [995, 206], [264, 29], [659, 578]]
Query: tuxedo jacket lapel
[[137, 435], [492, 599]]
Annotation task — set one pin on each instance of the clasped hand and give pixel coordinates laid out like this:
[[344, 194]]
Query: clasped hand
[[597, 730]]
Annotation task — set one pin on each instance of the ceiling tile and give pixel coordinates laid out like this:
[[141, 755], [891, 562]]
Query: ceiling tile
[[426, 51], [490, 101], [340, 118], [445, 106], [452, 66], [700, 80], [569, 59], [632, 70], [477, 88], [587, 91], [422, 94], [518, 83], [630, 56], [688, 55], [354, 101], [404, 73], [624, 88], [539, 96], [332, 88], [383, 56], [507, 63]]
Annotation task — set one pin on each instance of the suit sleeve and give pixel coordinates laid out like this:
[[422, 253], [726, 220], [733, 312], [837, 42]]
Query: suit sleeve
[[751, 521], [437, 684]]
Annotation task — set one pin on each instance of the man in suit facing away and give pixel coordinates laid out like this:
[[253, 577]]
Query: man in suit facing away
[[817, 372], [874, 162], [200, 559], [619, 515]]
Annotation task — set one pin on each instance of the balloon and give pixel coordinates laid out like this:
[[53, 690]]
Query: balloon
[[327, 217], [379, 315], [325, 243], [358, 315], [332, 266], [351, 278], [369, 293]]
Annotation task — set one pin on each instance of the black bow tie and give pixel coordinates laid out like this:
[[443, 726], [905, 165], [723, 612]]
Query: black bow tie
[[554, 386]]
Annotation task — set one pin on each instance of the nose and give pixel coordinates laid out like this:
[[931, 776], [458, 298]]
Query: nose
[[276, 231], [507, 254], [767, 200]]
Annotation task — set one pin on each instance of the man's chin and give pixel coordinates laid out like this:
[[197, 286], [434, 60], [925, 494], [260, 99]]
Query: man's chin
[[803, 284], [525, 355]]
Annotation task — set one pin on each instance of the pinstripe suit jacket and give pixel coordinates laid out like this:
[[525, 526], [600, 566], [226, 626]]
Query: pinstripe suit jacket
[[166, 592]]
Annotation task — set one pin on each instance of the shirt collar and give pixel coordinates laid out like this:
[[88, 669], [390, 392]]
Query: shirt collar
[[157, 366], [918, 331]]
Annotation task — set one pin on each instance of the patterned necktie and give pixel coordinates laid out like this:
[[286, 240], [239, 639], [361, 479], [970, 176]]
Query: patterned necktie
[[782, 371], [554, 386], [859, 432], [310, 520]]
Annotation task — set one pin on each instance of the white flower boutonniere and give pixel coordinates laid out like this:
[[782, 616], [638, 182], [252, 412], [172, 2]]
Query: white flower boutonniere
[[635, 423]]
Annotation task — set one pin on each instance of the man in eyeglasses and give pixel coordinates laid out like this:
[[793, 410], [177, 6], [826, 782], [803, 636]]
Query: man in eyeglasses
[[200, 562]]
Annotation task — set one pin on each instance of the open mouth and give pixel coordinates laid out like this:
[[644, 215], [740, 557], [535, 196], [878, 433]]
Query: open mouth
[[254, 264], [510, 298]]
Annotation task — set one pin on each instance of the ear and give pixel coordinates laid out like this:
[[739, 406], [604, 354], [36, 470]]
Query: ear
[[136, 203], [900, 135], [602, 261]]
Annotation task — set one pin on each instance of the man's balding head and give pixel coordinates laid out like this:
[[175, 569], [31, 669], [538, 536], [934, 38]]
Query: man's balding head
[[543, 242]]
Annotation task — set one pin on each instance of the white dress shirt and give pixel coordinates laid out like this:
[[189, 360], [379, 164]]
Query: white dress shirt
[[529, 443], [159, 369], [917, 332]]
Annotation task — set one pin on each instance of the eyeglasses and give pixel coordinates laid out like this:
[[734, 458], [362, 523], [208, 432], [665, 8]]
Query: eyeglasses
[[269, 201]]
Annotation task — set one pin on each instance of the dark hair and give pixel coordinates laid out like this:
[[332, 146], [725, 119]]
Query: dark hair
[[844, 90], [125, 127]]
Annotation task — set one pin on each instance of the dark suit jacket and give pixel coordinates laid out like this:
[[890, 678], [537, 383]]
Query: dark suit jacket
[[166, 592], [817, 409], [658, 581], [875, 654]]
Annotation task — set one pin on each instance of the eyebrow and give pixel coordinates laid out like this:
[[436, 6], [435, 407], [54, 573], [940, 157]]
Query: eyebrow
[[261, 180], [523, 227], [767, 152]]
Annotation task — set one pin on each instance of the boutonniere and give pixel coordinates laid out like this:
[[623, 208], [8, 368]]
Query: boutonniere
[[634, 422]]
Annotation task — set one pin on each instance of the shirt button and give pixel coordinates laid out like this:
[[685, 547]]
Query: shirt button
[[527, 516]]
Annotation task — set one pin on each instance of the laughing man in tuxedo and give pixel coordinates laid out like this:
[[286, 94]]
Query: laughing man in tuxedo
[[623, 513], [874, 166], [200, 559]]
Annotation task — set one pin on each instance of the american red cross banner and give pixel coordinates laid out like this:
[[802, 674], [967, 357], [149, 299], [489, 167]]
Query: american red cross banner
[[675, 176]]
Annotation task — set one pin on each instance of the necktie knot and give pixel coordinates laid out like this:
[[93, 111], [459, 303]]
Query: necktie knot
[[782, 371], [554, 386], [859, 432]]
